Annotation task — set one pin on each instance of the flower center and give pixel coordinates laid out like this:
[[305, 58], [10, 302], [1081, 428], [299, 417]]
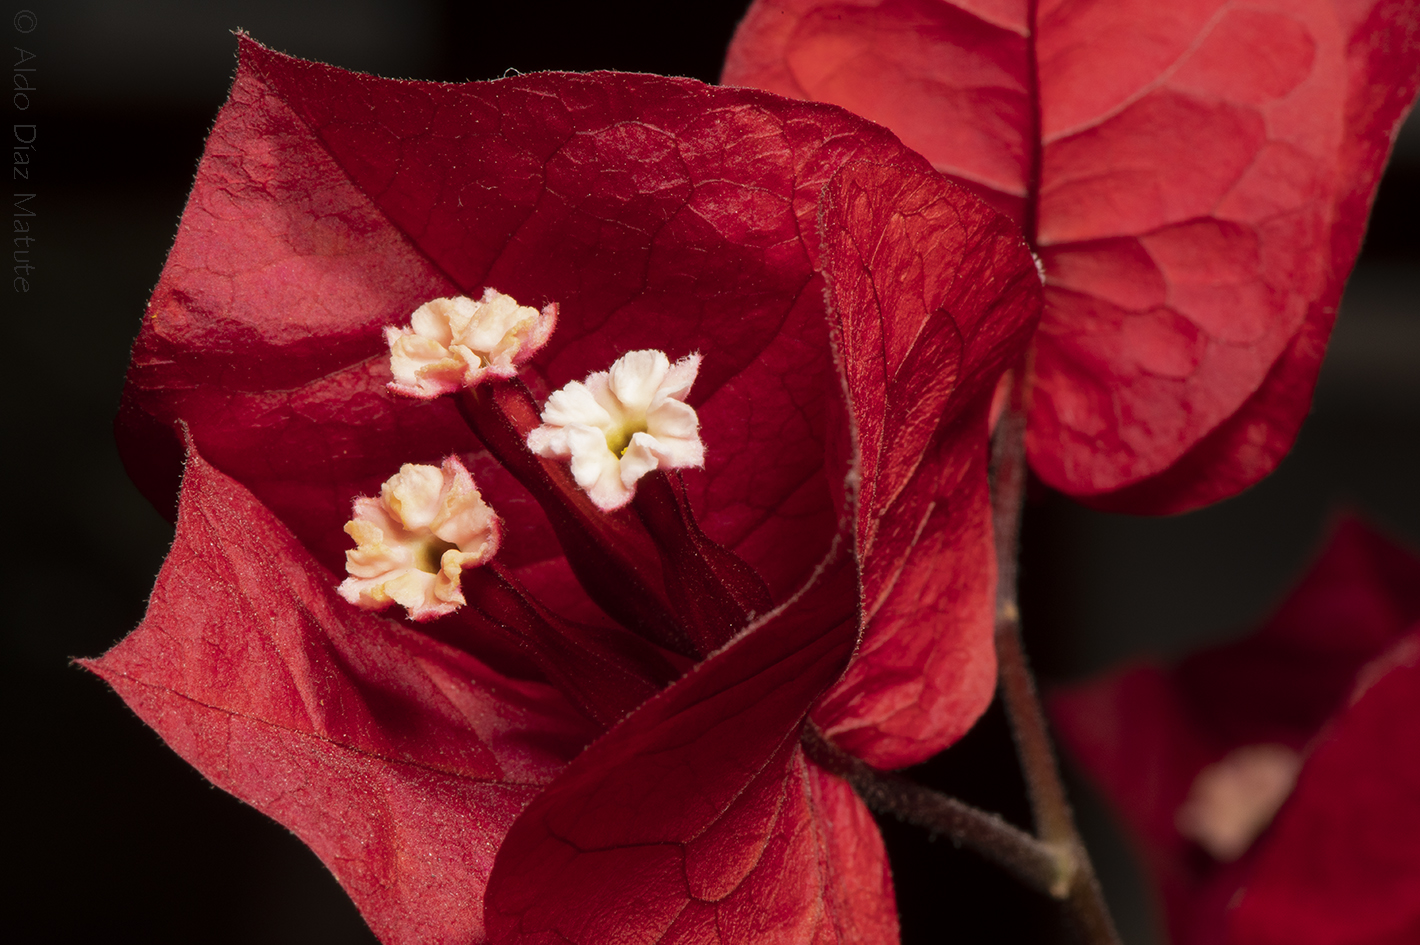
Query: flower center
[[619, 438], [429, 554]]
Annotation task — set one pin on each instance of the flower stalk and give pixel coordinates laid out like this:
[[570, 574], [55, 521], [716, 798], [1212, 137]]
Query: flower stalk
[[1046, 868], [1054, 861]]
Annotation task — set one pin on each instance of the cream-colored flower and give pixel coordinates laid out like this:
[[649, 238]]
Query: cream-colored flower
[[1233, 800], [620, 424], [454, 343], [413, 542]]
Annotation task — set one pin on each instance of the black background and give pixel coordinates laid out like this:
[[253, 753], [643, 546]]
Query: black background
[[113, 838]]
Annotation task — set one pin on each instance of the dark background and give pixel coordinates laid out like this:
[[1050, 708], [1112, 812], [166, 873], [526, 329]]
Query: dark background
[[113, 838]]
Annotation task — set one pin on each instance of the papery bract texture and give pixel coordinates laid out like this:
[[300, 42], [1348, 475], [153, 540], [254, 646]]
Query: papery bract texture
[[642, 825], [920, 672], [658, 214], [651, 837], [1196, 178], [853, 311], [254, 670], [1332, 675]]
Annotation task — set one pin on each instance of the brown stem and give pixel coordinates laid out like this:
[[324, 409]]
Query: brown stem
[[1054, 820], [1042, 866]]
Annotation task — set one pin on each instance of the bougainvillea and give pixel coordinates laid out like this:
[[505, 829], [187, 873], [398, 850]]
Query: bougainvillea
[[583, 740], [1195, 176], [1331, 680]]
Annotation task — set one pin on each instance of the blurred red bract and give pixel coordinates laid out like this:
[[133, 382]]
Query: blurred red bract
[[1335, 675]]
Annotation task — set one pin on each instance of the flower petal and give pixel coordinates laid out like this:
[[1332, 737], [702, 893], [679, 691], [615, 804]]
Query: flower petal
[[636, 377], [676, 421], [640, 426]]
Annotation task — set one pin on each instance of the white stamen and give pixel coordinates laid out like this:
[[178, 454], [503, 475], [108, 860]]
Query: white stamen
[[454, 343], [1232, 801], [412, 543], [618, 425]]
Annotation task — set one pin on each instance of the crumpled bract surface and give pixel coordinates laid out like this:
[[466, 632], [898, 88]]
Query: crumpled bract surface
[[853, 310], [1195, 176]]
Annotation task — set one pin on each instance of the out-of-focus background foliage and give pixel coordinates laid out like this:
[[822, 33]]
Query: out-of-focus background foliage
[[111, 836]]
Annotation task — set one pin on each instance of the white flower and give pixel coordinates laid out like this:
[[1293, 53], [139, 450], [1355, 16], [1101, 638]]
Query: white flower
[[618, 425], [413, 542], [454, 343]]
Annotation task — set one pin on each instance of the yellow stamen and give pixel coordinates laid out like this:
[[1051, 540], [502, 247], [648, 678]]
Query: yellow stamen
[[429, 555], [618, 439]]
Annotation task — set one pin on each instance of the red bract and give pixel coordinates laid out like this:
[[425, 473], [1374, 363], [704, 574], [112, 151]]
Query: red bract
[[853, 310], [1335, 674], [1195, 177]]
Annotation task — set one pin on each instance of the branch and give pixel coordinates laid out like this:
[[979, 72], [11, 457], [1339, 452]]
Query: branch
[[1045, 867], [1053, 818]]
